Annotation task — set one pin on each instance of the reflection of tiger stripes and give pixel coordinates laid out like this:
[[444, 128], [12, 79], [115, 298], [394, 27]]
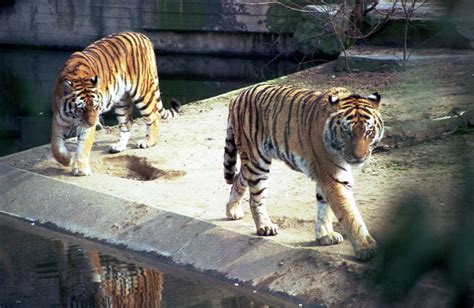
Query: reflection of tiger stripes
[[124, 284]]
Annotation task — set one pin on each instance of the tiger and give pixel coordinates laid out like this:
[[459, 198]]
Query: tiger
[[322, 134], [115, 72]]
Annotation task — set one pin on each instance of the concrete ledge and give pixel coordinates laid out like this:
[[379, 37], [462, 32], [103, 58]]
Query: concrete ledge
[[382, 59], [253, 261]]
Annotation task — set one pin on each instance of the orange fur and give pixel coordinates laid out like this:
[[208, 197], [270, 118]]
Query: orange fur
[[321, 134], [115, 72]]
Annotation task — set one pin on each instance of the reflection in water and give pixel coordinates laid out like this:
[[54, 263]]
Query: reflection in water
[[47, 272], [27, 78]]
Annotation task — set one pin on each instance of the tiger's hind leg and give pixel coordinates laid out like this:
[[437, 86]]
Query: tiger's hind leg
[[148, 110], [234, 209], [123, 111], [151, 135], [257, 176], [325, 234]]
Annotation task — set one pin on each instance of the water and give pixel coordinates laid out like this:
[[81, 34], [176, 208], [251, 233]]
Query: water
[[40, 268], [27, 77]]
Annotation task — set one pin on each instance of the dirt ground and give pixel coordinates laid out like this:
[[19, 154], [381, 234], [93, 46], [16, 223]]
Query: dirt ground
[[183, 173]]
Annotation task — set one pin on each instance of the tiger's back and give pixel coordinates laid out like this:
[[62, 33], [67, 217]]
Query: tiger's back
[[124, 63], [277, 121], [318, 133]]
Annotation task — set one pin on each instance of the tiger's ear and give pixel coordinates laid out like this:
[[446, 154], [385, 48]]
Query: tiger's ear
[[94, 80], [67, 87], [333, 100], [375, 98]]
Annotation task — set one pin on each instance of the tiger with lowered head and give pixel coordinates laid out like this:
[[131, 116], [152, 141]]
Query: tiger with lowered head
[[322, 134], [115, 72]]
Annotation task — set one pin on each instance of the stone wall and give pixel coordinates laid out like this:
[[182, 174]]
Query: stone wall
[[198, 26]]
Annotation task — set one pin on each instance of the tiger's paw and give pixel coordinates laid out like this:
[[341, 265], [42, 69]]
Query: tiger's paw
[[366, 251], [65, 159], [85, 171], [117, 148], [234, 212], [143, 144], [332, 238], [267, 229]]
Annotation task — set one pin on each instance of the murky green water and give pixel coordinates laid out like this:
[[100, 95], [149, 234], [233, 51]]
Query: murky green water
[[27, 78], [40, 268]]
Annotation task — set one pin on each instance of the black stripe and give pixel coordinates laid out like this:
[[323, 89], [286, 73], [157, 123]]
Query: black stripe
[[138, 53], [230, 152], [261, 168], [288, 122], [98, 61], [345, 183], [105, 50], [255, 202], [269, 100], [253, 171], [145, 106], [256, 181], [229, 165], [248, 104], [340, 167], [132, 55], [258, 193], [276, 113]]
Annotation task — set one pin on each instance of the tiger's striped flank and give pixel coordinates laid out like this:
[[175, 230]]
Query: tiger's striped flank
[[322, 134]]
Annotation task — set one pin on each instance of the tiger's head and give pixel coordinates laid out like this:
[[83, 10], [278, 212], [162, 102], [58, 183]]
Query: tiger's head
[[83, 98], [354, 127]]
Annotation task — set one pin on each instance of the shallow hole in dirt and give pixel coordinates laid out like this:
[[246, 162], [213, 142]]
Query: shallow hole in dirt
[[135, 168]]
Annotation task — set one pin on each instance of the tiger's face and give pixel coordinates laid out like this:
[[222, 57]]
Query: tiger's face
[[83, 99], [354, 127]]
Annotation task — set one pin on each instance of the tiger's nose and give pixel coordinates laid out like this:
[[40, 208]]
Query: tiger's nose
[[360, 155], [90, 117]]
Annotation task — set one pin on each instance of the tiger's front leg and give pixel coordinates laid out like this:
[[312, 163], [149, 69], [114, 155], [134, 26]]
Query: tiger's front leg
[[325, 234], [342, 203], [58, 143], [85, 140]]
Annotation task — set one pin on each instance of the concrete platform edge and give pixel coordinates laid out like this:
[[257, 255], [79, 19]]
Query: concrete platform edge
[[254, 262]]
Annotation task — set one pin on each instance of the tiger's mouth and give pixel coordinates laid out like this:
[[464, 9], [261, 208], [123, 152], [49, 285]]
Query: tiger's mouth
[[88, 123], [355, 161]]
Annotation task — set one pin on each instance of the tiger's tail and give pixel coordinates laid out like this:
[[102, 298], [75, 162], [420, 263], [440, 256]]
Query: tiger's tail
[[230, 156], [169, 113]]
